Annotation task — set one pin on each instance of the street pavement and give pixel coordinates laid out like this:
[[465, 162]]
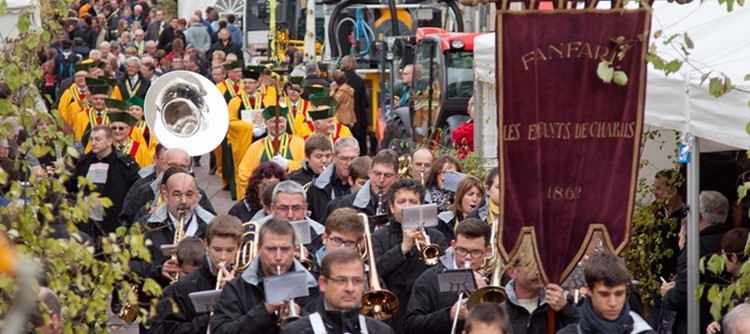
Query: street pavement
[[221, 201]]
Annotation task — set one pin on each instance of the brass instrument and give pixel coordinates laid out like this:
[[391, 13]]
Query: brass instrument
[[179, 233], [293, 315], [430, 253], [377, 303], [404, 165], [380, 210], [129, 311], [304, 260], [421, 178], [249, 248], [184, 109], [220, 275], [494, 292]]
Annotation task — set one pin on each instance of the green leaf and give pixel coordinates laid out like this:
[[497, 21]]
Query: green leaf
[[699, 290], [702, 265], [672, 67], [747, 77], [620, 78], [713, 291], [716, 264], [715, 87], [23, 24], [658, 33], [741, 193], [605, 71]]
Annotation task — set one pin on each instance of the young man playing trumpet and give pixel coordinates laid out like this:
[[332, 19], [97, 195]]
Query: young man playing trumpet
[[223, 239], [242, 307]]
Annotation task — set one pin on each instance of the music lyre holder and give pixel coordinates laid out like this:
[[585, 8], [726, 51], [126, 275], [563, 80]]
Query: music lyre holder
[[456, 281], [204, 301]]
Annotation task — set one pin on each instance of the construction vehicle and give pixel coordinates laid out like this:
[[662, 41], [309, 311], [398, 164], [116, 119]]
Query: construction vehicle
[[442, 85]]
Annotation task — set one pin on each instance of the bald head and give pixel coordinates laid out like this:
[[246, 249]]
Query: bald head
[[177, 157], [181, 194], [421, 161]]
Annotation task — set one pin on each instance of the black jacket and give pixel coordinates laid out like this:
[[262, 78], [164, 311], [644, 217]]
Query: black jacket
[[159, 229], [121, 174], [361, 106], [400, 271], [241, 307], [536, 322], [242, 211], [139, 201], [429, 309], [362, 201], [323, 190], [186, 320], [303, 175], [676, 298], [335, 321], [143, 85], [230, 47]]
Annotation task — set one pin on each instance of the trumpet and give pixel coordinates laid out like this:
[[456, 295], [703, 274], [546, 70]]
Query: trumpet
[[293, 315], [430, 253], [494, 292], [129, 311], [377, 303], [304, 260], [249, 248], [179, 233], [421, 178], [220, 275]]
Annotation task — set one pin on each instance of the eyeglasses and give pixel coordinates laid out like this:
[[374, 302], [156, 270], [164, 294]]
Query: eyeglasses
[[286, 208], [475, 253], [338, 242], [343, 280], [377, 174], [119, 128]]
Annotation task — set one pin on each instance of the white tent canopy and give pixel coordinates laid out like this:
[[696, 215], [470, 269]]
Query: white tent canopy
[[679, 102]]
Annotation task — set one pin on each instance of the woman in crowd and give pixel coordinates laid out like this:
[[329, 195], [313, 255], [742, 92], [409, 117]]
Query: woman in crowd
[[469, 196], [265, 174], [434, 183]]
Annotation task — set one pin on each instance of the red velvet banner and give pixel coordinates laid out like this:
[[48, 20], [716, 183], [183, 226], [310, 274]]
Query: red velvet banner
[[569, 143]]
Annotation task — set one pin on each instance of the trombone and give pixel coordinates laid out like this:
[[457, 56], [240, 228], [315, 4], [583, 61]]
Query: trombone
[[377, 303]]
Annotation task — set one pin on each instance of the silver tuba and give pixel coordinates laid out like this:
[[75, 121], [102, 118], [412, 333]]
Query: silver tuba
[[184, 109]]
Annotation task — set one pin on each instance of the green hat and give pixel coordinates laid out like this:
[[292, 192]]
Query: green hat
[[95, 82], [111, 82], [316, 89], [234, 64], [270, 112], [99, 89], [96, 64], [296, 80], [121, 116], [320, 100], [81, 67], [135, 101], [250, 73], [316, 115], [116, 104]]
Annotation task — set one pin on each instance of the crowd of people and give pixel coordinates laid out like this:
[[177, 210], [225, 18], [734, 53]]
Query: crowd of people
[[306, 158]]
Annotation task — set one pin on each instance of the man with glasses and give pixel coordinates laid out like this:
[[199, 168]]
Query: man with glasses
[[344, 229], [372, 198], [289, 202], [145, 198], [432, 311], [342, 282], [398, 259], [333, 181]]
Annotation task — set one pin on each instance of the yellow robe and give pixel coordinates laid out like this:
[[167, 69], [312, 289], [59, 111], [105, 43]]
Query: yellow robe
[[226, 88], [71, 103], [139, 152], [240, 133], [340, 130], [298, 121], [252, 158]]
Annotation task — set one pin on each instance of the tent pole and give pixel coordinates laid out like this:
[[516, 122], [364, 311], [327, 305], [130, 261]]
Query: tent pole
[[693, 241]]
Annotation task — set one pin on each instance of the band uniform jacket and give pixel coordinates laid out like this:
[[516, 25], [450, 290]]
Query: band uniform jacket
[[325, 188], [429, 309], [304, 175], [362, 201], [398, 270], [241, 305], [140, 200], [335, 321], [186, 320]]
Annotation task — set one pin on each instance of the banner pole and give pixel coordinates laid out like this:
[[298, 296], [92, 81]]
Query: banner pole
[[693, 240]]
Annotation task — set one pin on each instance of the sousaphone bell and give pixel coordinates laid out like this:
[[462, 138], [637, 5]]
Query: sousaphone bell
[[184, 109]]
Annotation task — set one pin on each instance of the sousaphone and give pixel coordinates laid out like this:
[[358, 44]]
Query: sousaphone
[[184, 109]]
